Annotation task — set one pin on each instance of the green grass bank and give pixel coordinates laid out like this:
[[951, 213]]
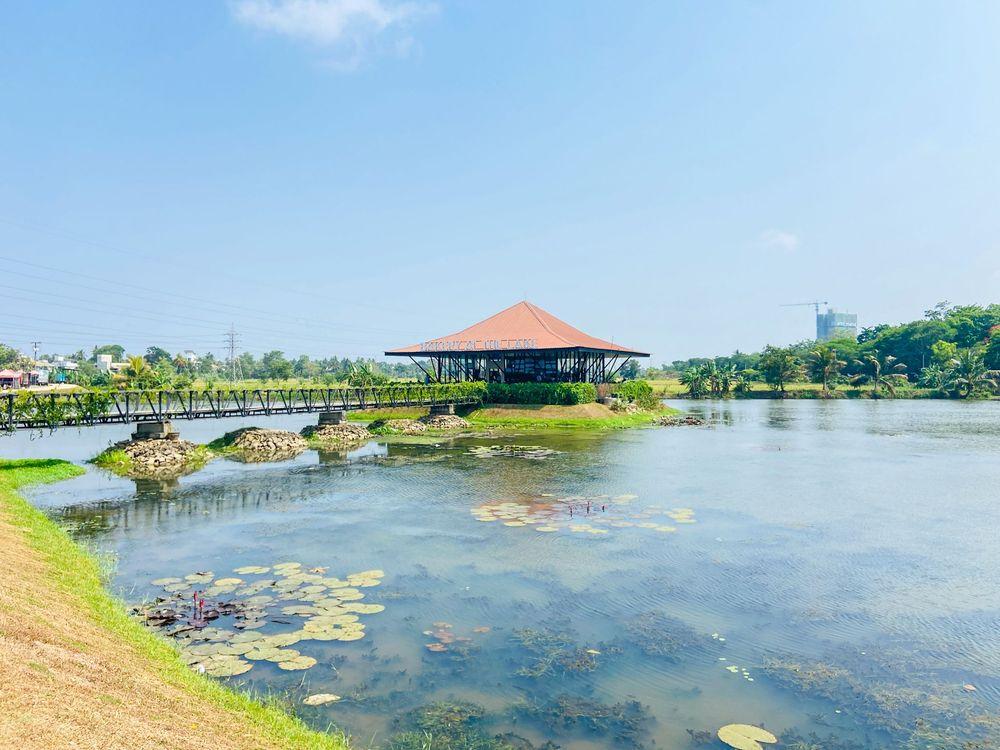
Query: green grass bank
[[56, 615]]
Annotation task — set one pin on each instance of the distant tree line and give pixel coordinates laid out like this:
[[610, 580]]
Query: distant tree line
[[953, 352], [158, 368]]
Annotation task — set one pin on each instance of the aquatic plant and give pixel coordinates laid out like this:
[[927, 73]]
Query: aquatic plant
[[626, 721], [656, 634], [551, 653], [330, 608], [533, 452], [891, 693], [745, 736]]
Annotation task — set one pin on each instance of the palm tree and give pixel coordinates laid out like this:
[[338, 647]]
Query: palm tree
[[727, 377], [742, 383], [884, 373], [710, 373], [826, 364], [936, 378], [693, 379], [968, 373]]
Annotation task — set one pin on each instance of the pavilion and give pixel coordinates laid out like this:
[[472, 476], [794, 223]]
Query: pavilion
[[523, 343]]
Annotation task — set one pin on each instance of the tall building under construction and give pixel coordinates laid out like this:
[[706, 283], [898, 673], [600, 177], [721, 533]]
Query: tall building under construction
[[835, 325]]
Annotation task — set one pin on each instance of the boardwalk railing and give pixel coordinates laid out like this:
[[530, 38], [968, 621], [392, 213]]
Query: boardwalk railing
[[28, 410]]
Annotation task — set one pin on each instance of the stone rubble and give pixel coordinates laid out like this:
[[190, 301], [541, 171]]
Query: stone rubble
[[680, 421], [337, 435], [157, 458], [444, 422], [257, 445], [399, 426]]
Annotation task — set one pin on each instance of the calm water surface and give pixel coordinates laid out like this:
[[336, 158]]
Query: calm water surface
[[834, 569]]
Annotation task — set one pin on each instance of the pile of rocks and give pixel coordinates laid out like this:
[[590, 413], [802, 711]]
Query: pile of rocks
[[625, 407], [680, 421], [256, 445], [158, 458], [337, 435], [397, 427], [444, 422]]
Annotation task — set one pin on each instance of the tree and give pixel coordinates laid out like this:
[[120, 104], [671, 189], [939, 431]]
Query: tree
[[694, 380], [871, 333], [943, 352], [630, 370], [969, 374], [117, 352], [155, 355], [11, 358], [937, 378], [137, 373], [884, 373], [779, 367], [825, 365], [938, 312], [363, 375], [273, 365]]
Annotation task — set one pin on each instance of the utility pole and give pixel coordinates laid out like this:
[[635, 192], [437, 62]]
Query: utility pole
[[232, 344], [34, 346]]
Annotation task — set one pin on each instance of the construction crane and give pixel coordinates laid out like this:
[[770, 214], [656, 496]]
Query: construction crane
[[805, 304]]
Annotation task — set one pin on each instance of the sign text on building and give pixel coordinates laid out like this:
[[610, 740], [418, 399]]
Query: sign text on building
[[468, 345]]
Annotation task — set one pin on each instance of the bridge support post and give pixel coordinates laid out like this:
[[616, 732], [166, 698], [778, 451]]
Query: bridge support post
[[155, 431], [331, 417], [439, 409]]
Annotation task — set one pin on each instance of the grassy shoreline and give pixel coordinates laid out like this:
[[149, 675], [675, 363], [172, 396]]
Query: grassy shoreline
[[673, 388], [67, 608], [528, 416]]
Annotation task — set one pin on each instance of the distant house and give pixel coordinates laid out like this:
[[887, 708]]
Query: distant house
[[105, 363], [11, 378]]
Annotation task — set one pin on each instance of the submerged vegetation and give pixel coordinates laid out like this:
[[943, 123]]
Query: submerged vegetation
[[892, 693]]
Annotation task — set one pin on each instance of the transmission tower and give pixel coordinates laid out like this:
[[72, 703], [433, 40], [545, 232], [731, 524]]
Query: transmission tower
[[34, 346], [232, 345]]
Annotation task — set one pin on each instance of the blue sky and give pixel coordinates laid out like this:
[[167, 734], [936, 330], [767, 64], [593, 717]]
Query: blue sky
[[341, 177]]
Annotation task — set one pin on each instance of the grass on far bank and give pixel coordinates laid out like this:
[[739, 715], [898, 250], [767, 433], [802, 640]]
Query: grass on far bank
[[672, 388], [78, 671]]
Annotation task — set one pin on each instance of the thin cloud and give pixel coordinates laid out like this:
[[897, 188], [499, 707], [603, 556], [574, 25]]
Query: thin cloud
[[346, 30], [779, 239]]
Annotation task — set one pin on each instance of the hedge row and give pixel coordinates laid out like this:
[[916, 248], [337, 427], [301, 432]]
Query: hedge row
[[565, 394], [639, 392]]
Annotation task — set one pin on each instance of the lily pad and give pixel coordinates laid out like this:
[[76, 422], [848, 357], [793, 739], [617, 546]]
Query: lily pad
[[166, 581], [300, 662], [228, 668], [251, 570], [228, 582], [745, 736]]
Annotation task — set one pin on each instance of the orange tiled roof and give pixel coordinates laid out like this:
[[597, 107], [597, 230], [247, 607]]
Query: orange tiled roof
[[520, 326]]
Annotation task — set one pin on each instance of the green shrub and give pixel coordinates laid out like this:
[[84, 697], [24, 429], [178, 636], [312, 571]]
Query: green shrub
[[564, 394], [639, 392]]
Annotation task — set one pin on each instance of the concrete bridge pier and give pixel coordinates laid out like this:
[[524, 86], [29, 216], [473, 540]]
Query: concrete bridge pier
[[331, 417], [441, 409], [155, 431]]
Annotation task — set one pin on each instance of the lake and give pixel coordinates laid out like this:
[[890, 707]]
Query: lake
[[827, 570]]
